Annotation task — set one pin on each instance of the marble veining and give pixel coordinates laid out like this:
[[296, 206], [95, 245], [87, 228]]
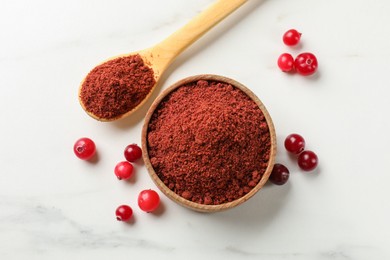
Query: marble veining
[[54, 206]]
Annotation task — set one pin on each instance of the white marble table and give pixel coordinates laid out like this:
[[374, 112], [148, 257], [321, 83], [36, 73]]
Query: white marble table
[[54, 206]]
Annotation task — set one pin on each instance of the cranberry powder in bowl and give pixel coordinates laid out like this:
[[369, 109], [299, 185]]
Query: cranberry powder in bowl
[[209, 142]]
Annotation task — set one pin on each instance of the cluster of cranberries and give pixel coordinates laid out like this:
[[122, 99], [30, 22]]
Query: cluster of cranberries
[[307, 160], [148, 200], [305, 63]]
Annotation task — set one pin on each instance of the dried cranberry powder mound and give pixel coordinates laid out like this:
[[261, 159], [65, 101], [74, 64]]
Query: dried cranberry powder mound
[[116, 86], [209, 142]]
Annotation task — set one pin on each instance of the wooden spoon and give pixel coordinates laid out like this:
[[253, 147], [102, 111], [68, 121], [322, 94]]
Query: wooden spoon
[[161, 55]]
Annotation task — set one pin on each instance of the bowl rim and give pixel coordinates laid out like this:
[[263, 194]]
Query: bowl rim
[[174, 196]]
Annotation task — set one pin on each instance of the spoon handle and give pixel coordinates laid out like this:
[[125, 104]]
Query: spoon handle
[[177, 42]]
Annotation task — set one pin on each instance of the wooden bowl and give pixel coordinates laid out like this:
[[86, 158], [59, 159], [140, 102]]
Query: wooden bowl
[[174, 196]]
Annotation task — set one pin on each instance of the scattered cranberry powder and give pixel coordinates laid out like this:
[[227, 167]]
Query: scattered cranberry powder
[[209, 142], [116, 86]]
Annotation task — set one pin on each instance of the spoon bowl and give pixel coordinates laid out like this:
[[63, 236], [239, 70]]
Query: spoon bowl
[[159, 57]]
